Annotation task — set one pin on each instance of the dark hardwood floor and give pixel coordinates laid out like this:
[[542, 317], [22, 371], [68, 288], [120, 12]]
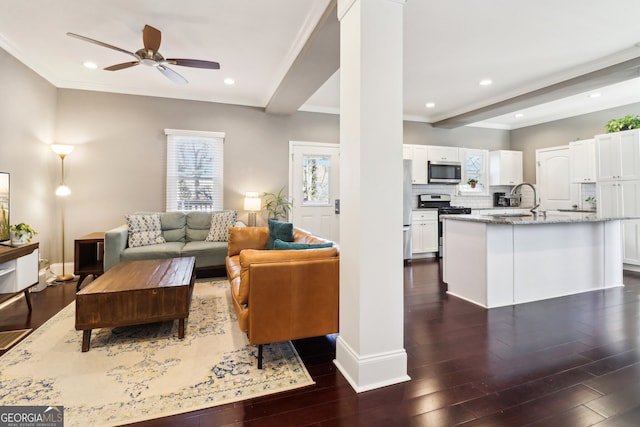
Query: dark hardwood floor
[[572, 361]]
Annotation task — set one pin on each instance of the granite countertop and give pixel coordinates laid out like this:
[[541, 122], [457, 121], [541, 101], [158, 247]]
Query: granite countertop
[[551, 217]]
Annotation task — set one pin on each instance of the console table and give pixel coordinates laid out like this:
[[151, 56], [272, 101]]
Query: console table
[[18, 270]]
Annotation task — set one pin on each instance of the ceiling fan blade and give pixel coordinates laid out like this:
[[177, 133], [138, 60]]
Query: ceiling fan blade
[[151, 38], [99, 43], [172, 75], [196, 63], [122, 66]]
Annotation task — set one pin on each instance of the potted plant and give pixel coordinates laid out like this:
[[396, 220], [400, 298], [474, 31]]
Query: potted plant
[[625, 123], [277, 204], [21, 233], [591, 202], [472, 182]]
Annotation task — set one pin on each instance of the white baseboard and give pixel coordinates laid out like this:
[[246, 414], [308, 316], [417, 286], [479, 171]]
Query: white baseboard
[[366, 373]]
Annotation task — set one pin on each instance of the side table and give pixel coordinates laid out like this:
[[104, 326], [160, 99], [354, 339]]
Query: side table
[[88, 256]]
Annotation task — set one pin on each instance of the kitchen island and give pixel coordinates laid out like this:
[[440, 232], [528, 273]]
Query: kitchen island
[[500, 260]]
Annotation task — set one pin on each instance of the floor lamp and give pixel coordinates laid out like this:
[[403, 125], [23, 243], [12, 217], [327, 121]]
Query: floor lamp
[[252, 203], [62, 191]]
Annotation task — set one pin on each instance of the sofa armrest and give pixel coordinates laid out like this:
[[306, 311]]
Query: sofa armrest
[[115, 241], [293, 299]]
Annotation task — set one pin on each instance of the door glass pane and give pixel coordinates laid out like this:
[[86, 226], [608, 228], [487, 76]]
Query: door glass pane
[[315, 180]]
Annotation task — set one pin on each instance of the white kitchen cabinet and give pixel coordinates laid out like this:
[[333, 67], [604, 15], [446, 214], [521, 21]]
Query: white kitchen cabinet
[[618, 198], [407, 152], [582, 161], [622, 198], [418, 156], [424, 231], [618, 156], [442, 154], [505, 167]]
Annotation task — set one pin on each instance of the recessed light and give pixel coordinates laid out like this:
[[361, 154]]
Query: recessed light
[[89, 64], [594, 95], [519, 115], [485, 82], [229, 81], [430, 105]]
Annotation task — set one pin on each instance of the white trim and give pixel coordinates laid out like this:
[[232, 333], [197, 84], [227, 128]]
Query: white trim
[[372, 371], [202, 133]]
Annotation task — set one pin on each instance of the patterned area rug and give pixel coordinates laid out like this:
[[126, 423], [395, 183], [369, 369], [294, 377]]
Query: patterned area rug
[[146, 372]]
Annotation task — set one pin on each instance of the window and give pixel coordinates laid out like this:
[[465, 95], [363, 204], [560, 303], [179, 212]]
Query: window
[[194, 170], [475, 166]]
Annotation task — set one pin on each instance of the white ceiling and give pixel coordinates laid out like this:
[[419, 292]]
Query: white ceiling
[[522, 45]]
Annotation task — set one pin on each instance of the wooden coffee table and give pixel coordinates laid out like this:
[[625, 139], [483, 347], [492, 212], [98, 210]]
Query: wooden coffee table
[[137, 292]]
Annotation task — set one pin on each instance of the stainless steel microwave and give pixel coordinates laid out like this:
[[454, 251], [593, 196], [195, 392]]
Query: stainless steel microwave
[[444, 172]]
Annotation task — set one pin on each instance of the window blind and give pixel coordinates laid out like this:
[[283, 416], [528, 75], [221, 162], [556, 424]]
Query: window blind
[[194, 171]]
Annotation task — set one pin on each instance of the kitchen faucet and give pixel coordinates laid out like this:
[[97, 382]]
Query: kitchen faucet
[[536, 205]]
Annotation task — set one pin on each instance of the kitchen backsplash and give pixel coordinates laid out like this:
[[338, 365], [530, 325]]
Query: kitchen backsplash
[[469, 201]]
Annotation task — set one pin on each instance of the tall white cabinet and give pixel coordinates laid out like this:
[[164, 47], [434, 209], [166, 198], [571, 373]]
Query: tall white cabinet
[[618, 184]]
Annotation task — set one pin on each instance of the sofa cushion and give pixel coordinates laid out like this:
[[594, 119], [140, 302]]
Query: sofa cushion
[[172, 224], [241, 238], [207, 254], [144, 230], [220, 223], [279, 230], [159, 251], [198, 225], [280, 245]]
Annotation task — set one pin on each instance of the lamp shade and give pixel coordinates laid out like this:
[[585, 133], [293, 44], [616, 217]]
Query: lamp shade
[[63, 190], [252, 201], [62, 149]]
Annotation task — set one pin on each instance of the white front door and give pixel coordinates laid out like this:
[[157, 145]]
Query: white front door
[[314, 172], [555, 190]]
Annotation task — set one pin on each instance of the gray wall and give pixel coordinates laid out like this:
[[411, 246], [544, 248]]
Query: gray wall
[[561, 132], [27, 120], [119, 167], [467, 137]]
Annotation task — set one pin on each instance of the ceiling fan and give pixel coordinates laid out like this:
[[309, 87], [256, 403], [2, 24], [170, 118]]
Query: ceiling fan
[[150, 56]]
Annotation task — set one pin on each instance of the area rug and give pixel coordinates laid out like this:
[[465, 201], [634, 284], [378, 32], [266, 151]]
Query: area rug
[[146, 372], [8, 338]]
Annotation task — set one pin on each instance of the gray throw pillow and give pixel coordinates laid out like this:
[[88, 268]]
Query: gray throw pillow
[[144, 230]]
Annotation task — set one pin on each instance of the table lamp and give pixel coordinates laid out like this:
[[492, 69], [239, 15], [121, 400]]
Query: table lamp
[[253, 204]]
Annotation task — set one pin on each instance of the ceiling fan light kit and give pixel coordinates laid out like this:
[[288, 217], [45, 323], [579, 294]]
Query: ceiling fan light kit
[[149, 55]]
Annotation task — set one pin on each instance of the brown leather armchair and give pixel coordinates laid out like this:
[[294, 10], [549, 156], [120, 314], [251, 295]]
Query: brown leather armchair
[[281, 295]]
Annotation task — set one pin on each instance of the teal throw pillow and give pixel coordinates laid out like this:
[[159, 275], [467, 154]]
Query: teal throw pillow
[[279, 230], [279, 244]]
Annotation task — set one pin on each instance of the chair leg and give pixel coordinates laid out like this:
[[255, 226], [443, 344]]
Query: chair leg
[[259, 356]]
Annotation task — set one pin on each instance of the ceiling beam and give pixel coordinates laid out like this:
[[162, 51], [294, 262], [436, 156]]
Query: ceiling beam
[[593, 80], [318, 60]]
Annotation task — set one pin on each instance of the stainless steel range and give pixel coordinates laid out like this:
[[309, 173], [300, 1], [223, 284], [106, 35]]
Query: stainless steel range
[[443, 203]]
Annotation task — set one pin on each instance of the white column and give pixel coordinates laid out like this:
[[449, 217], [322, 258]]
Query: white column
[[370, 348]]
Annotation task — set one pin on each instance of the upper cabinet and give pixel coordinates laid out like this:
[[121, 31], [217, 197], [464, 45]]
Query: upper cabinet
[[618, 156], [505, 167], [418, 155], [442, 154], [582, 161]]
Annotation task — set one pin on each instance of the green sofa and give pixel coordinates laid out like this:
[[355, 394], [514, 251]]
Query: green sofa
[[185, 235]]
